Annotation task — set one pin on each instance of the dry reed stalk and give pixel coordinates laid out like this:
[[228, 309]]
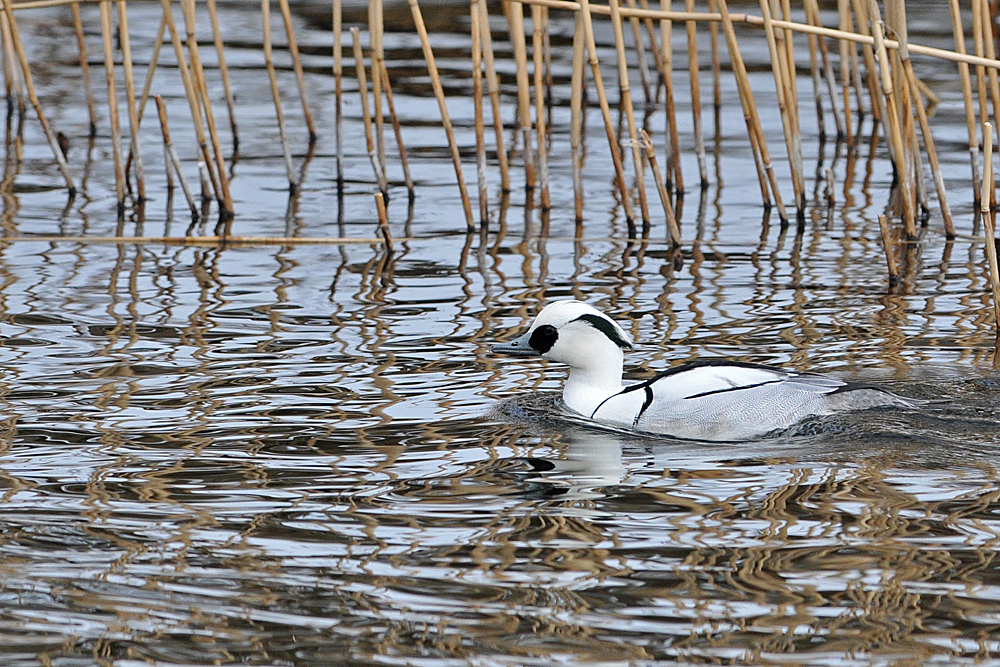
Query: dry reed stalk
[[783, 36], [397, 130], [12, 82], [576, 115], [383, 222], [602, 99], [977, 37], [359, 64], [377, 56], [989, 221], [779, 68], [640, 53], [674, 175], [762, 157], [626, 98], [224, 71], [988, 39], [868, 55], [84, 67], [154, 60], [148, 83], [338, 75], [133, 112], [198, 79], [814, 73], [547, 58], [812, 11], [515, 19], [848, 58], [493, 89], [831, 197], [925, 130], [265, 10], [970, 112], [171, 156], [116, 135], [543, 153], [300, 77], [890, 255], [693, 69], [194, 104], [668, 209], [18, 46], [477, 98], [896, 20], [655, 48], [713, 40], [892, 118], [425, 43], [210, 241]]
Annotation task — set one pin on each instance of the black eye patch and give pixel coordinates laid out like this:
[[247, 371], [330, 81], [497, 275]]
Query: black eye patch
[[543, 338]]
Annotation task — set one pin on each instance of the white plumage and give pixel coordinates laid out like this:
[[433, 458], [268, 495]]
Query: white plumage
[[707, 400]]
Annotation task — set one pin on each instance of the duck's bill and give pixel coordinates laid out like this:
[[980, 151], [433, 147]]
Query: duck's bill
[[518, 347]]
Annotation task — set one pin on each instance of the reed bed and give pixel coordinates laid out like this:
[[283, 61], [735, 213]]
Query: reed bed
[[869, 44]]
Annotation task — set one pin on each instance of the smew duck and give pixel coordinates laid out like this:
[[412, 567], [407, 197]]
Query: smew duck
[[706, 400]]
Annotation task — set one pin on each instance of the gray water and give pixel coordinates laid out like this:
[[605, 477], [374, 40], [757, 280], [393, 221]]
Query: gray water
[[304, 454]]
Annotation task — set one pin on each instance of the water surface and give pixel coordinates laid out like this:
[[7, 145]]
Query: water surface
[[304, 454]]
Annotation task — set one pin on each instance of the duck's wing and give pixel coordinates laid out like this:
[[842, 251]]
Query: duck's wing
[[733, 401]]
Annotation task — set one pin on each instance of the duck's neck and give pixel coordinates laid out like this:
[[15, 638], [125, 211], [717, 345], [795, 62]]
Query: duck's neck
[[588, 386]]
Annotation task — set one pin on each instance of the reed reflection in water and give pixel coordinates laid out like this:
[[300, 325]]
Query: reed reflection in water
[[304, 455]]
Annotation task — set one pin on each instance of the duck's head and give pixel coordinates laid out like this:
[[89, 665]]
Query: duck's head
[[573, 333]]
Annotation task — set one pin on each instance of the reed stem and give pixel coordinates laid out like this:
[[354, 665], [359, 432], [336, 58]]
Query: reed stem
[[633, 134], [359, 64], [970, 112], [265, 10], [338, 75], [198, 79], [540, 127], [84, 67], [194, 105], [515, 17], [674, 174], [397, 130], [668, 208], [18, 46], [477, 99], [418, 20], [576, 115], [602, 98], [890, 253], [116, 136], [224, 71], [133, 112], [493, 89], [171, 156], [892, 118], [693, 71], [300, 77], [762, 157], [377, 56], [989, 221], [383, 222]]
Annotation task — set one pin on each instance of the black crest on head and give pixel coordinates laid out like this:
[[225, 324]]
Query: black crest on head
[[606, 327], [543, 338]]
